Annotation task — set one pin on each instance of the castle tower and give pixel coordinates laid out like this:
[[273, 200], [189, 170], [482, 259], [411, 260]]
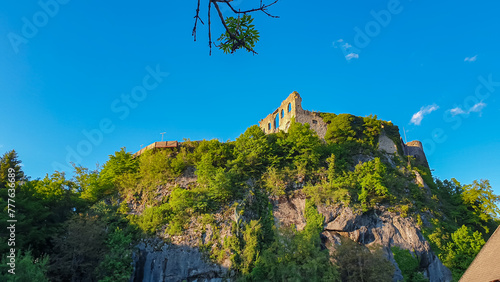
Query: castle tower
[[415, 149]]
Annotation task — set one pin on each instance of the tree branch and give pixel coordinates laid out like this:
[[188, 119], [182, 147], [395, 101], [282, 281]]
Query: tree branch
[[262, 8], [239, 42], [209, 28], [197, 17], [233, 36]]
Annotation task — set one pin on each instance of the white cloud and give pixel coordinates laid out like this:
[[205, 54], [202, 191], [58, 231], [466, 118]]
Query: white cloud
[[477, 108], [339, 41], [457, 111], [347, 45], [419, 116], [351, 56], [470, 59]]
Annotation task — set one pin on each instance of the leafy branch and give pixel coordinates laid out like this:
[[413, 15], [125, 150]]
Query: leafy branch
[[239, 33]]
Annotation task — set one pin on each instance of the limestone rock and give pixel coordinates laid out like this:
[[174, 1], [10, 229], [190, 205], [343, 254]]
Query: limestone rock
[[156, 261], [379, 227]]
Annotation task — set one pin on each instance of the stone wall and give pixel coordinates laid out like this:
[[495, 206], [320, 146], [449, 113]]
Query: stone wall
[[291, 107], [415, 149]]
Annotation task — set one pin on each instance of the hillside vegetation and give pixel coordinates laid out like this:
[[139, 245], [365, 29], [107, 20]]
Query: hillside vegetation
[[85, 228]]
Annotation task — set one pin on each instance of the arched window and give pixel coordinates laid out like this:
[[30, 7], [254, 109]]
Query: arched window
[[277, 122], [269, 126], [289, 107], [282, 113]]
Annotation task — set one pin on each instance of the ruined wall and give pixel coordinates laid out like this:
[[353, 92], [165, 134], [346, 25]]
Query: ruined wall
[[415, 149], [291, 107], [314, 120], [281, 118], [385, 144]]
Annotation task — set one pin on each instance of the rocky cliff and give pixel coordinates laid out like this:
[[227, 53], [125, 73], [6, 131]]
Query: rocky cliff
[[181, 260], [375, 228]]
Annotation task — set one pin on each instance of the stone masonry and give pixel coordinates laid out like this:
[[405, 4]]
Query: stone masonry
[[415, 149], [290, 108]]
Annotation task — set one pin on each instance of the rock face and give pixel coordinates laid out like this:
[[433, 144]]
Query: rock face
[[181, 260], [156, 261], [386, 145], [379, 227]]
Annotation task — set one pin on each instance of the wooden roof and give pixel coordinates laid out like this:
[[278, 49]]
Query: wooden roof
[[486, 265]]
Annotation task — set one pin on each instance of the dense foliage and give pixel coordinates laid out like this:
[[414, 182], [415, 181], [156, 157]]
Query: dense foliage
[[409, 264], [84, 228]]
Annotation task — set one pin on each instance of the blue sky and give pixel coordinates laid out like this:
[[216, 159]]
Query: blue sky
[[428, 66]]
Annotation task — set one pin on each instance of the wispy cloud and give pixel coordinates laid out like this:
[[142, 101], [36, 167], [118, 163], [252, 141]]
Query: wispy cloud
[[351, 56], [470, 59], [349, 51], [419, 116], [477, 108], [457, 111], [337, 42], [1, 146]]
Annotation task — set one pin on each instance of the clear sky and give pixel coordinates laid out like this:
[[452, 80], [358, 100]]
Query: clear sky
[[81, 79]]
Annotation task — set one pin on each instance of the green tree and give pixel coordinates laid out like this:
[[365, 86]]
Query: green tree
[[41, 207], [358, 263], [294, 256], [276, 181], [10, 161], [252, 236], [301, 145], [79, 250], [343, 127], [119, 165], [27, 268], [88, 184], [314, 220], [117, 263], [372, 128], [252, 151], [371, 177], [482, 202], [461, 250], [409, 264]]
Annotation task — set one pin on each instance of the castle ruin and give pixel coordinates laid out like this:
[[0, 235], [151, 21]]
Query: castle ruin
[[290, 108], [281, 118]]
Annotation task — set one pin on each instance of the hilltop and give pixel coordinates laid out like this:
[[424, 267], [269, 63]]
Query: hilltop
[[301, 196]]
